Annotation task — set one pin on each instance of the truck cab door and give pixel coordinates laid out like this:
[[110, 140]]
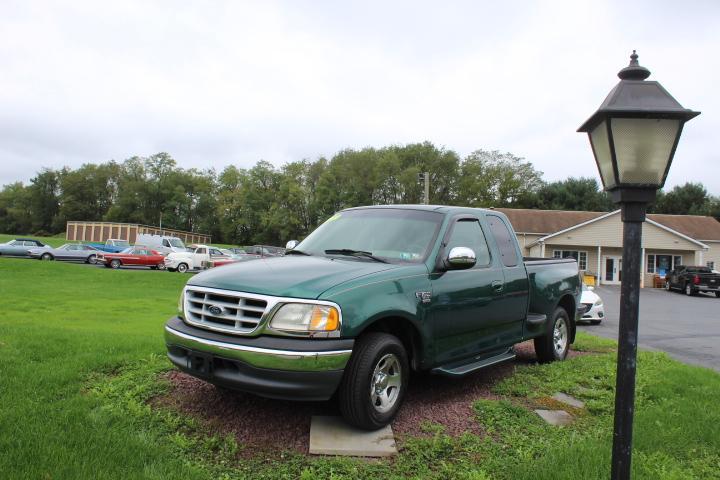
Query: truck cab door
[[466, 306]]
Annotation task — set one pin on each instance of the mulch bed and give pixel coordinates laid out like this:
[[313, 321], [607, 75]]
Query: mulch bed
[[272, 425]]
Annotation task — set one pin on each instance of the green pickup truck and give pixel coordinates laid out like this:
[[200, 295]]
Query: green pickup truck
[[371, 295]]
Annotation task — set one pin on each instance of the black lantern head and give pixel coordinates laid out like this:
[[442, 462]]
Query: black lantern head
[[635, 131]]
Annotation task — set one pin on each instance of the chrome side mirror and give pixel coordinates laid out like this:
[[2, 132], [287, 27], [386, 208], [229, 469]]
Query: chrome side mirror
[[461, 257], [291, 244]]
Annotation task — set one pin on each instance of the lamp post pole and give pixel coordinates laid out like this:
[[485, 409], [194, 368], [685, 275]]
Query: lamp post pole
[[633, 216]]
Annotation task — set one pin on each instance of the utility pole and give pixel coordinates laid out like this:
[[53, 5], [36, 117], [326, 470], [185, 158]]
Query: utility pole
[[424, 178]]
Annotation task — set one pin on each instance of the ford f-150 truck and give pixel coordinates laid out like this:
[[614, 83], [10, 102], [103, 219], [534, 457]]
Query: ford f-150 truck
[[371, 295]]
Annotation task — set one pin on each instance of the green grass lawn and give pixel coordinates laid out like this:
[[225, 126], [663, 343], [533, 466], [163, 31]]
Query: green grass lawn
[[81, 351]]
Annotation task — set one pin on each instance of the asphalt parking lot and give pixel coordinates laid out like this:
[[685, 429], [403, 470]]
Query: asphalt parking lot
[[687, 328]]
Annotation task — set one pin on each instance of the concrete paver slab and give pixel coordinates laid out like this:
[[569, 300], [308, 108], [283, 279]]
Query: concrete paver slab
[[568, 400], [555, 417], [332, 436]]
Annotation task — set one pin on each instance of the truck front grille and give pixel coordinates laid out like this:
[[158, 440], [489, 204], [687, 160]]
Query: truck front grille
[[231, 312]]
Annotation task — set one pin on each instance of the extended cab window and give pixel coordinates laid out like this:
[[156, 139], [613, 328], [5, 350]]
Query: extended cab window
[[504, 240], [467, 233]]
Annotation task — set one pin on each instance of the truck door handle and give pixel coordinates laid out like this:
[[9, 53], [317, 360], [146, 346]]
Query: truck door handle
[[497, 285]]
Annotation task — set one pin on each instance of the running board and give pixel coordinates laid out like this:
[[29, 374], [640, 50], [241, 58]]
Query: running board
[[455, 370]]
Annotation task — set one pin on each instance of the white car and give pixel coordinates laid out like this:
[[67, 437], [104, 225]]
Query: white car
[[594, 310], [196, 257]]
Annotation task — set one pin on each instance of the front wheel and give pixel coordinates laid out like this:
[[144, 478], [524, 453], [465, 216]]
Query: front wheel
[[115, 264], [375, 381], [182, 268], [717, 294], [667, 286], [46, 256], [689, 290], [554, 345], [92, 259]]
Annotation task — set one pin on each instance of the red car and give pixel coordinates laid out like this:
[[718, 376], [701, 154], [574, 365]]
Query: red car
[[137, 255]]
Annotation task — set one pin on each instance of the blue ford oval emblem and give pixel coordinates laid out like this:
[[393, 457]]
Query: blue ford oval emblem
[[215, 310]]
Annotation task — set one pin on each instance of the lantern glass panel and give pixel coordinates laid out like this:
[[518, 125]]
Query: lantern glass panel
[[601, 148], [642, 148]]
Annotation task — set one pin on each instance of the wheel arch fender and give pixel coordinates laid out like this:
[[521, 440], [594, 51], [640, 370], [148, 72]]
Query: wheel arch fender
[[405, 328], [567, 302]]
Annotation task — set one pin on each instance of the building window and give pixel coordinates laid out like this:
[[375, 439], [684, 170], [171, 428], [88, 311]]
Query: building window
[[662, 264], [579, 256], [711, 265]]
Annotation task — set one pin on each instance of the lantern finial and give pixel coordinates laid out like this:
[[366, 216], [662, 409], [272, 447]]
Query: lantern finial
[[634, 71]]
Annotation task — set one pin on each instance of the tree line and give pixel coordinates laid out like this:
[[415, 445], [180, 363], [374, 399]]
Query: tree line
[[270, 205]]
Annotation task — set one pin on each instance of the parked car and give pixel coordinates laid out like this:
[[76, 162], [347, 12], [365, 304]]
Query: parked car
[[593, 309], [20, 247], [197, 257], [112, 245], [72, 252], [133, 256], [692, 280], [164, 244], [370, 295], [265, 251]]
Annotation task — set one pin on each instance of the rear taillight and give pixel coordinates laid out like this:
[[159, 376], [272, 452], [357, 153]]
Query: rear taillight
[[696, 279]]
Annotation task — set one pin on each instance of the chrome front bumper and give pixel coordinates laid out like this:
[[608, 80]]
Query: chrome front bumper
[[260, 357]]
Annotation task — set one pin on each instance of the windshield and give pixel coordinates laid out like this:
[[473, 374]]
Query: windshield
[[176, 242], [392, 234]]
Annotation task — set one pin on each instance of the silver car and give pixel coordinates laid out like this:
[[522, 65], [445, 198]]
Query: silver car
[[20, 247], [72, 252]]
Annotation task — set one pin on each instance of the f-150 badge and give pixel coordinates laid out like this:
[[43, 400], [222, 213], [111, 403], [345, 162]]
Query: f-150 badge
[[424, 297]]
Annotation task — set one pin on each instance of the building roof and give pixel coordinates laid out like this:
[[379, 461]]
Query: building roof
[[694, 226], [544, 222]]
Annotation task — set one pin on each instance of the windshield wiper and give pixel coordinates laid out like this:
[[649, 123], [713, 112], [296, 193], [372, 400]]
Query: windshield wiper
[[297, 252], [354, 253]]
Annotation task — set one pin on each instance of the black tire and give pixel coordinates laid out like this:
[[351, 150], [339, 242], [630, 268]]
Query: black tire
[[689, 290], [161, 266], [182, 268], [667, 286], [373, 352], [47, 256], [170, 269], [92, 259], [717, 294], [115, 263], [546, 347]]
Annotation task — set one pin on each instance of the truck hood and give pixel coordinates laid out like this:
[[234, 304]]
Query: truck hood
[[290, 276]]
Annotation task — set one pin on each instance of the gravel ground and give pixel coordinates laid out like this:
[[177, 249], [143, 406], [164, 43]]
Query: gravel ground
[[270, 425]]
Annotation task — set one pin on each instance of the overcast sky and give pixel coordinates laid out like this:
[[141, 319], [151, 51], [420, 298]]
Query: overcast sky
[[218, 83]]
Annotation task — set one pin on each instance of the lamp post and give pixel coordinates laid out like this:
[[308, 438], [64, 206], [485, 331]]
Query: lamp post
[[633, 136]]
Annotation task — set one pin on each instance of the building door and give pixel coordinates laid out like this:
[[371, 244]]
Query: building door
[[612, 270]]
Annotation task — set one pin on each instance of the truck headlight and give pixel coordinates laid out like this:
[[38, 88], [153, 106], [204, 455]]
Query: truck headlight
[[181, 304], [305, 317]]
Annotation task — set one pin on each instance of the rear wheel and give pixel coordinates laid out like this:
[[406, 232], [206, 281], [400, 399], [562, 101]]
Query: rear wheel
[[161, 266], [667, 286], [115, 263], [717, 294], [182, 268], [46, 256], [689, 290], [554, 345], [375, 381]]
